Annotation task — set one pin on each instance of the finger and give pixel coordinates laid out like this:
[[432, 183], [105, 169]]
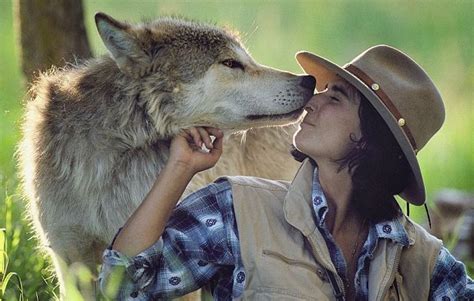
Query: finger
[[219, 138], [185, 133], [215, 132], [205, 137], [196, 136], [218, 145]]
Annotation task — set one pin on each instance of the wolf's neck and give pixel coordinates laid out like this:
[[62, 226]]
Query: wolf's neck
[[120, 116]]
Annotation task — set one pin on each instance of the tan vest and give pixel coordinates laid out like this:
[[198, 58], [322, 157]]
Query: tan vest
[[286, 258]]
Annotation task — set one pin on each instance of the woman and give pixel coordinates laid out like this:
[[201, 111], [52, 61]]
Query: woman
[[334, 233]]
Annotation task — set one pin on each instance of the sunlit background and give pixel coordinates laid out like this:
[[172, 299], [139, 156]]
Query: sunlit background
[[437, 34]]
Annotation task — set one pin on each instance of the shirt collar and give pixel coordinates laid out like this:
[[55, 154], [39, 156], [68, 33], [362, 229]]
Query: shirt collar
[[320, 205], [392, 229]]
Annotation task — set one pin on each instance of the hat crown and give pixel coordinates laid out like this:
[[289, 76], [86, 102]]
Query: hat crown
[[408, 87]]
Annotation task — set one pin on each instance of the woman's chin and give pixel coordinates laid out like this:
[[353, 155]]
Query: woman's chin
[[298, 142], [301, 137]]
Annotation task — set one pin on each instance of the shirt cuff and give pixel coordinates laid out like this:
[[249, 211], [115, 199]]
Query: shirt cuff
[[140, 268]]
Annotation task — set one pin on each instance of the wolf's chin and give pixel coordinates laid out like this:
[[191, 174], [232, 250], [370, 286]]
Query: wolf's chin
[[290, 115]]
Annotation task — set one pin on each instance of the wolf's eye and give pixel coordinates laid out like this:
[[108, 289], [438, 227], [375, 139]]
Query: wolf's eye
[[232, 64]]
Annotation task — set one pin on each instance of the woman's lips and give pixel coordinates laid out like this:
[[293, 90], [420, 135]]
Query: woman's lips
[[306, 123]]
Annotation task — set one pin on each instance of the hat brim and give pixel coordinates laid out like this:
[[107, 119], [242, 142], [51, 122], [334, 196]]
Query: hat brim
[[326, 71]]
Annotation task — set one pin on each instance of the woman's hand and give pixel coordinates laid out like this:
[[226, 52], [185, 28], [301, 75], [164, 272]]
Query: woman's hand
[[148, 222], [186, 148]]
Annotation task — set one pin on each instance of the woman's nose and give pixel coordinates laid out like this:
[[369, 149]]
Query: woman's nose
[[308, 108], [312, 104]]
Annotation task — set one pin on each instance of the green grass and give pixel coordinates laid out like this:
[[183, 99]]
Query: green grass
[[7, 278], [437, 34]]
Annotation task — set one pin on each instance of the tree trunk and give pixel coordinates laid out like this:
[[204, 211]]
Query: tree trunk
[[51, 32]]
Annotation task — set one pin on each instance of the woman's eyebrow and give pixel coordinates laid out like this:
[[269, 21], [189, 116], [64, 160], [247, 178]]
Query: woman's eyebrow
[[340, 89]]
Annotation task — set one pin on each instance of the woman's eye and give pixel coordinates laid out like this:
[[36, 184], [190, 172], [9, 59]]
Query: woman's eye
[[232, 64]]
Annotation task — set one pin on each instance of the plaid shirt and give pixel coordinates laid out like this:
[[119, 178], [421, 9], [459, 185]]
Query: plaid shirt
[[200, 246]]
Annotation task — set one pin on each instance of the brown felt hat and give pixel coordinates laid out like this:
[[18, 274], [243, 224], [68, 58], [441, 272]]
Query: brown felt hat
[[401, 92]]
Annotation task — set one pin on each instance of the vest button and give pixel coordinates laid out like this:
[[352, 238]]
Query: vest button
[[387, 229], [446, 298], [322, 274], [134, 294]]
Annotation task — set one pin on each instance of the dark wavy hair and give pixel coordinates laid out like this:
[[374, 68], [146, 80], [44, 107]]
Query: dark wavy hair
[[377, 165]]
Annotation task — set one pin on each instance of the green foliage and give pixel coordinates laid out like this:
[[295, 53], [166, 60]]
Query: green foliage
[[113, 283], [6, 276], [32, 272], [437, 34]]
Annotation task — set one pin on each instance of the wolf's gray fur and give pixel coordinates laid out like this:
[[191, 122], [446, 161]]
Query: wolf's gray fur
[[96, 135]]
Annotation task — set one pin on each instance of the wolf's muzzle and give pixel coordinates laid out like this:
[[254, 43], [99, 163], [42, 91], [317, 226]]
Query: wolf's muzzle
[[308, 82]]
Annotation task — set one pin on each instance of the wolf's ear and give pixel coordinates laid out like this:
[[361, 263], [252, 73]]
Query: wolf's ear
[[125, 49]]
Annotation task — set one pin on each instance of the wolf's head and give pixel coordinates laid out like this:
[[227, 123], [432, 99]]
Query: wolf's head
[[193, 74]]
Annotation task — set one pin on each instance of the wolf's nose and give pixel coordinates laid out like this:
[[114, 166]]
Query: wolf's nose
[[308, 82]]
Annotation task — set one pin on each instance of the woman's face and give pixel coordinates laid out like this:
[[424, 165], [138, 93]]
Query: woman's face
[[331, 120]]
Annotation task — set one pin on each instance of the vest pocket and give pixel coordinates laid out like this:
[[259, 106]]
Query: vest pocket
[[298, 263], [272, 294], [278, 276], [309, 266]]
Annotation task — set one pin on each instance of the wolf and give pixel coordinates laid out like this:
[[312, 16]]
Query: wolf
[[97, 134]]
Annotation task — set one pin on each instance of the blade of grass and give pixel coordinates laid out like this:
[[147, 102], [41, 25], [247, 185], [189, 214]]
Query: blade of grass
[[3, 268], [6, 281]]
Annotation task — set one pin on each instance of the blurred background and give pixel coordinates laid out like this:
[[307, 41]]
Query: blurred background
[[437, 34]]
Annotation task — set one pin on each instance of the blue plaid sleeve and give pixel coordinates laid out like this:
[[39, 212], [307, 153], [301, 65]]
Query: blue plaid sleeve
[[449, 280], [199, 246]]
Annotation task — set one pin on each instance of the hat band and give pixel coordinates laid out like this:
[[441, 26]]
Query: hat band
[[375, 87]]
